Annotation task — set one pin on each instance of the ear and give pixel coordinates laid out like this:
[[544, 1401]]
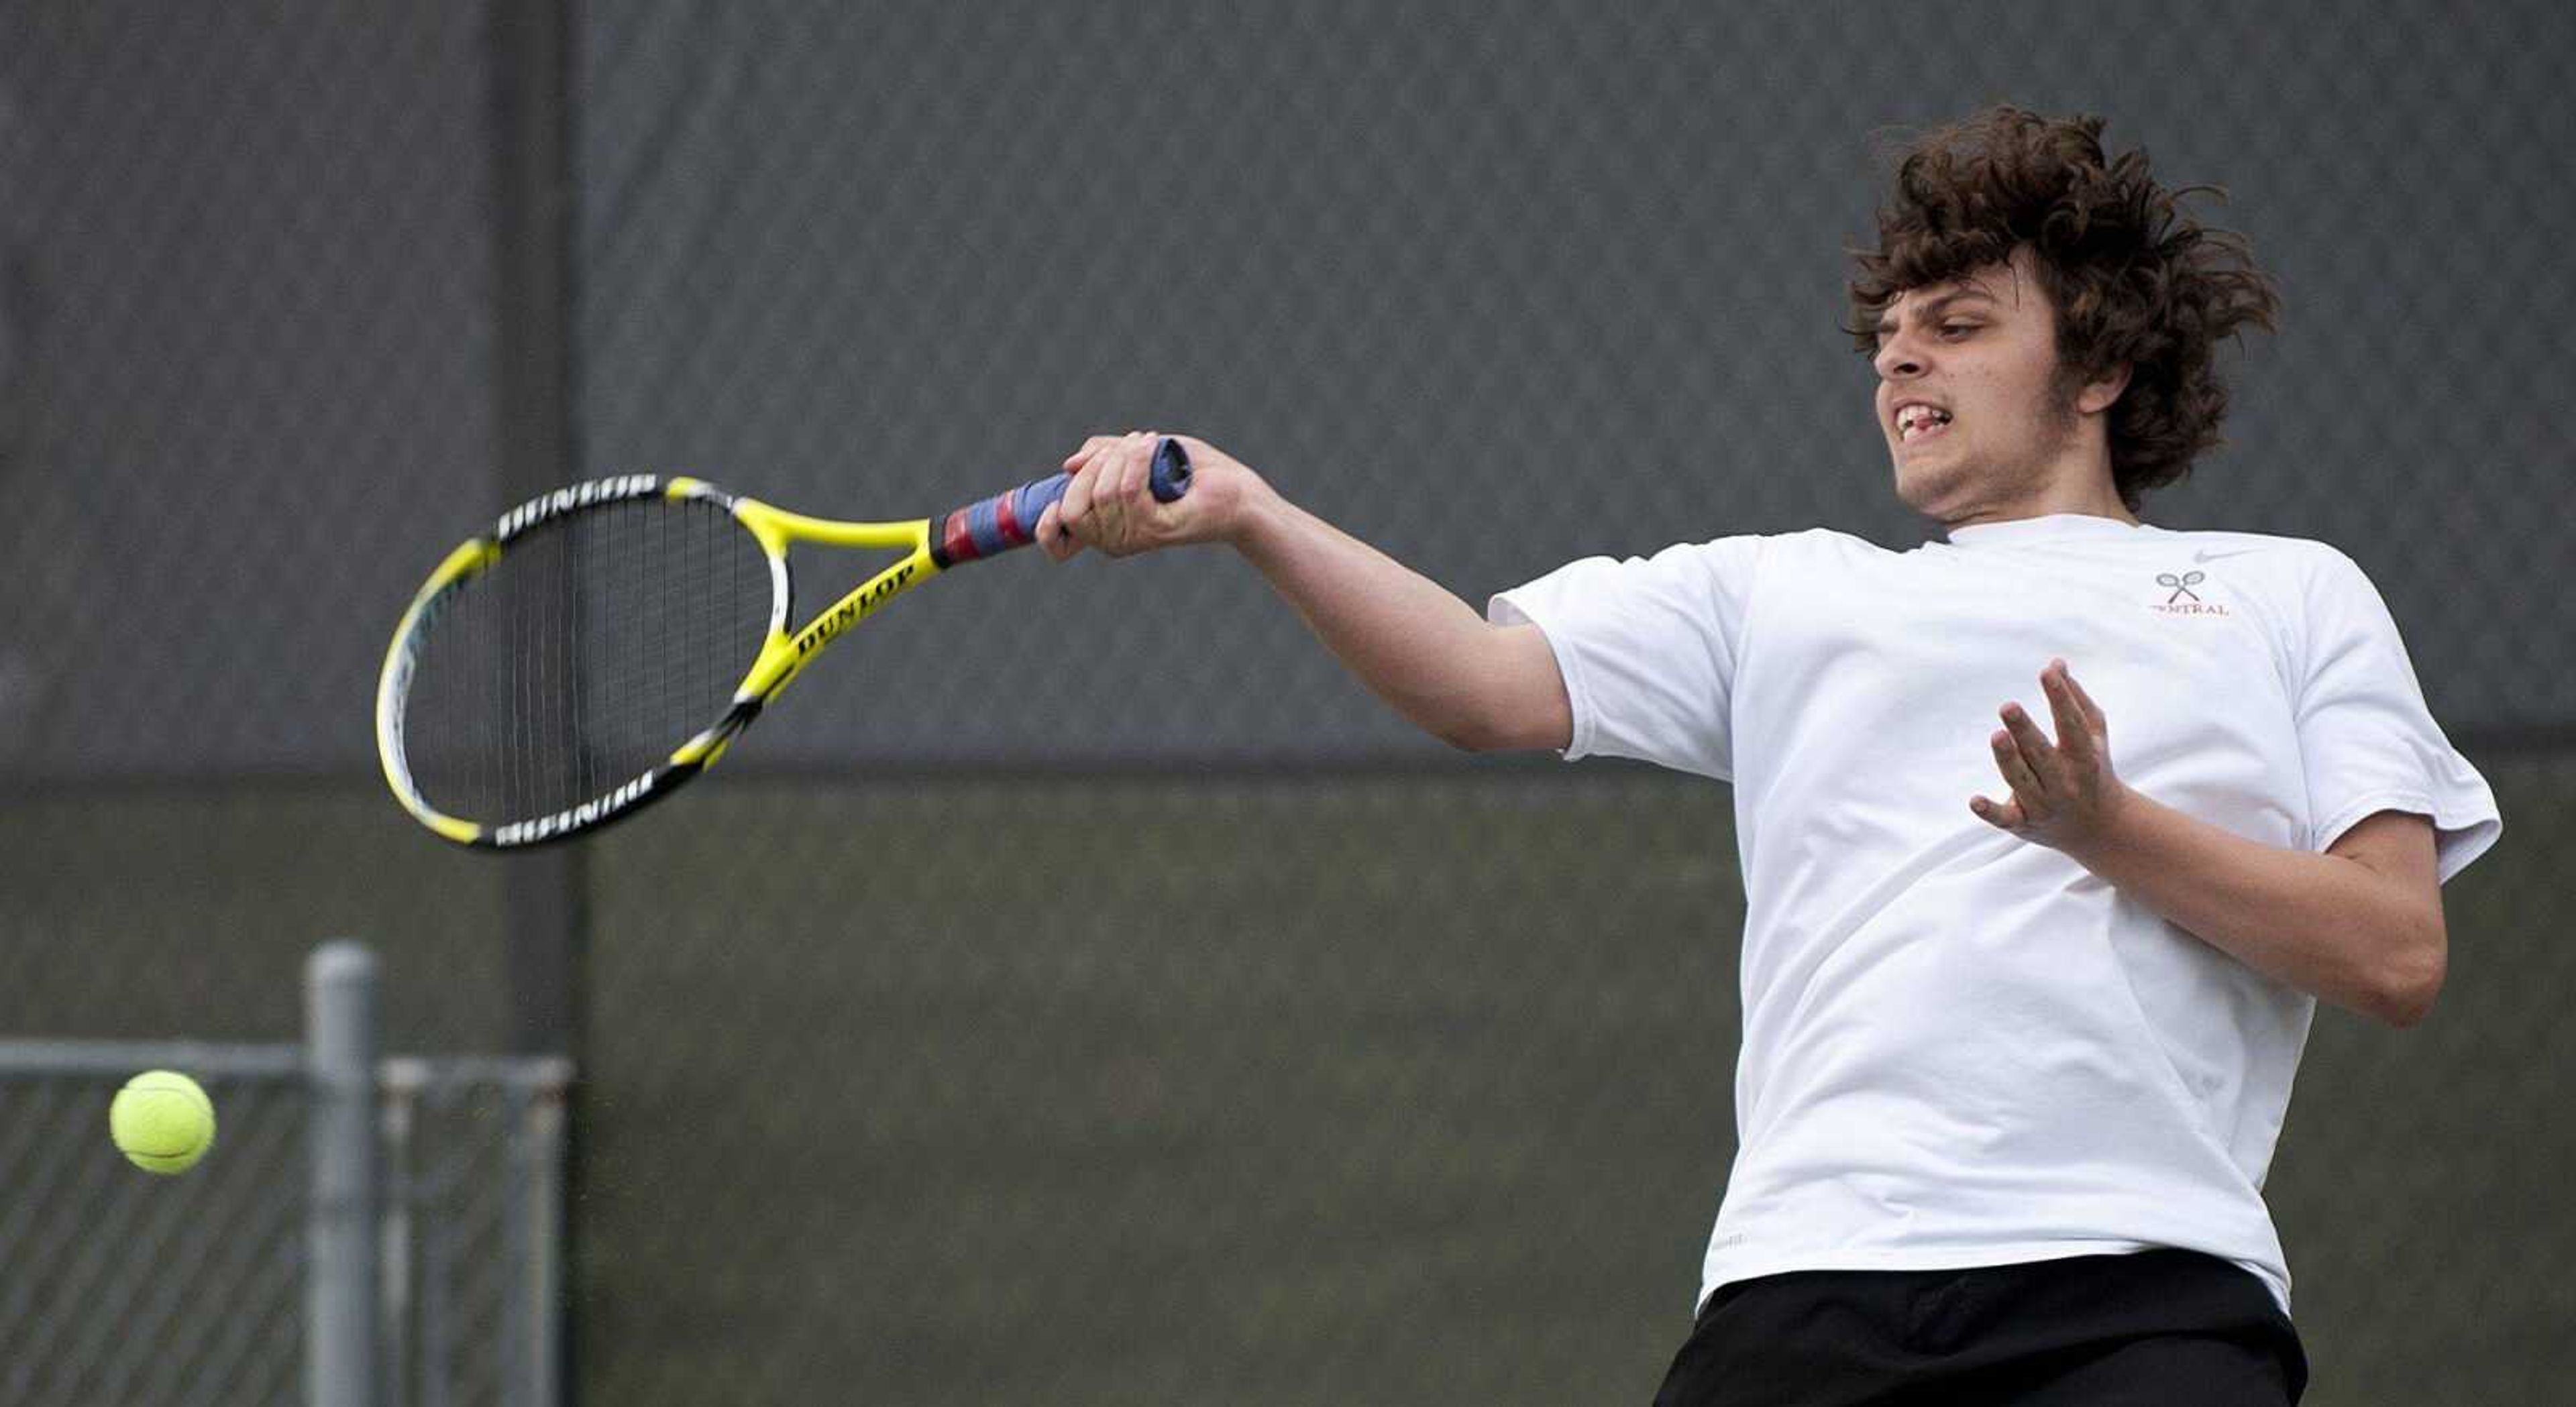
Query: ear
[[2101, 394]]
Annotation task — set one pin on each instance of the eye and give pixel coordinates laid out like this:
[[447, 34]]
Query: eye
[[1956, 330]]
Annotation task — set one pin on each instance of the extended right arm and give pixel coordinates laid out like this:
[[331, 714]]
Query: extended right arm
[[1466, 681]]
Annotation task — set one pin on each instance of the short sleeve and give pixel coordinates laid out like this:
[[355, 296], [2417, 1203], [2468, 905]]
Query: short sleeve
[[2367, 740], [1648, 649]]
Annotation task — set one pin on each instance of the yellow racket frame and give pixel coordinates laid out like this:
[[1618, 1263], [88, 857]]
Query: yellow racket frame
[[784, 654]]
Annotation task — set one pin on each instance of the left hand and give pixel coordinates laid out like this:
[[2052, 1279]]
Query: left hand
[[2064, 796]]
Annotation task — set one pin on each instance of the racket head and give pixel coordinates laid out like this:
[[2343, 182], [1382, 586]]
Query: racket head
[[582, 659]]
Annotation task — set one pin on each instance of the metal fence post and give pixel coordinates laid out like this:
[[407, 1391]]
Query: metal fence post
[[341, 1045], [542, 1155]]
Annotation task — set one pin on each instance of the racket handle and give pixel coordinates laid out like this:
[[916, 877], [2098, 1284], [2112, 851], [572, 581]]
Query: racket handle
[[1010, 519]]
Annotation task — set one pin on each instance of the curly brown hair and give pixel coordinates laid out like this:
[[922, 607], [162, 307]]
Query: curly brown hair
[[2134, 280]]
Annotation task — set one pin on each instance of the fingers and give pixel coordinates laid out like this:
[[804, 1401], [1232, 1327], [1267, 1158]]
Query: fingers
[[2075, 727], [1136, 460], [1052, 538], [2025, 734], [2083, 700], [1073, 462], [2064, 793], [1099, 505], [1109, 508], [1075, 506], [1092, 448], [2051, 780], [2018, 769]]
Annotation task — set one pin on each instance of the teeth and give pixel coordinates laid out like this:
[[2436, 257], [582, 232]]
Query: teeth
[[1912, 420]]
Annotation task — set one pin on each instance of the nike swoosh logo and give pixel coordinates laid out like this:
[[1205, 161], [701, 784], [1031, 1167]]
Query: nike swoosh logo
[[2206, 556]]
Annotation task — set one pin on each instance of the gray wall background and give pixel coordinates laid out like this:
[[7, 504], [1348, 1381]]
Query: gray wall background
[[1399, 1075], [1498, 286], [1494, 285]]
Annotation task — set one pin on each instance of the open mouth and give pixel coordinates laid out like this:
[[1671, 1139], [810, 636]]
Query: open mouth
[[1917, 422]]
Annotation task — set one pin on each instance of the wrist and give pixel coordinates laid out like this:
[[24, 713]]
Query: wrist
[[1258, 518], [2124, 814]]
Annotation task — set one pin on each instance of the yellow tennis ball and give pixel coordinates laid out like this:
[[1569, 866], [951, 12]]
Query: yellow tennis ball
[[162, 1121]]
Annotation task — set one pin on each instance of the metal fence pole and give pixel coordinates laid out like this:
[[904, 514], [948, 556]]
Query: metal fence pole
[[542, 1152], [341, 1043]]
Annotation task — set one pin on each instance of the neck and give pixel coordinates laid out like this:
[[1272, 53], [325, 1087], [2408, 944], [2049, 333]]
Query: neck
[[2103, 505], [2077, 480]]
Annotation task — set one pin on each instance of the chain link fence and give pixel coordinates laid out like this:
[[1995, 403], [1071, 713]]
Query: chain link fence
[[1365, 1088], [246, 302], [199, 1288], [1497, 286], [474, 1182], [1379, 1089], [1246, 1046], [128, 1288]]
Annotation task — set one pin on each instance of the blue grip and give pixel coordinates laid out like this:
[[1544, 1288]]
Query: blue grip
[[1010, 519], [1170, 477]]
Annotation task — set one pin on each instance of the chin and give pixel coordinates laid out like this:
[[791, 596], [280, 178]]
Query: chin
[[1923, 489]]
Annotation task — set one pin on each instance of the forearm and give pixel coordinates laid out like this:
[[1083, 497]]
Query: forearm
[[2328, 925], [1424, 651]]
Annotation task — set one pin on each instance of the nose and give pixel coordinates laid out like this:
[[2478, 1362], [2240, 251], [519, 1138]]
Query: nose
[[1900, 359]]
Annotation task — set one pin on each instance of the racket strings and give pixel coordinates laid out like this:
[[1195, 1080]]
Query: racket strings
[[598, 644]]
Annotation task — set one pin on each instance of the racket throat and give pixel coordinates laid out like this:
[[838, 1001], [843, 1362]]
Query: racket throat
[[847, 612], [706, 748]]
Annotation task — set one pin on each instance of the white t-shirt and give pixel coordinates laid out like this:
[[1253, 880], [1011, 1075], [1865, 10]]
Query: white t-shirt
[[1962, 1048]]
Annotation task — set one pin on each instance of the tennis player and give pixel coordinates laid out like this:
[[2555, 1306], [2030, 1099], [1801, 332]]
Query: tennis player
[[2053, 831]]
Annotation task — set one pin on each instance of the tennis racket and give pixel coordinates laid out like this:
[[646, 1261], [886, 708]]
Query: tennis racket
[[604, 643]]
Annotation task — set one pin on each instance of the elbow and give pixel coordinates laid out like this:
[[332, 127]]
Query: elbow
[[2411, 981], [1488, 734], [1463, 739], [2406, 1007], [1470, 728], [1461, 728]]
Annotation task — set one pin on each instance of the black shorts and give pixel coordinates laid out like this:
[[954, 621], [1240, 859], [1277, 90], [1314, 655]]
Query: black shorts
[[2158, 1327]]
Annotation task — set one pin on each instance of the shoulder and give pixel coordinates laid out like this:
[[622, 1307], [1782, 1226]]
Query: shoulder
[[2257, 551], [2313, 595], [2291, 572], [1820, 544], [1739, 553], [1734, 561], [1806, 550]]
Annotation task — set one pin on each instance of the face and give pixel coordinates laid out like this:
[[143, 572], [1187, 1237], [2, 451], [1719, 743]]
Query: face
[[2003, 435]]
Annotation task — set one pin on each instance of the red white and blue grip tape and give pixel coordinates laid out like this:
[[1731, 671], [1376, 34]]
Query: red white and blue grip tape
[[1010, 519]]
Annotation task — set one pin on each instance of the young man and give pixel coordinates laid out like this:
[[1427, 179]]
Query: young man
[[2022, 1003]]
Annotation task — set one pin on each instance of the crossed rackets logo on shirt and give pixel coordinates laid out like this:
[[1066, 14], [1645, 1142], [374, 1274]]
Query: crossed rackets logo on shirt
[[2181, 584]]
